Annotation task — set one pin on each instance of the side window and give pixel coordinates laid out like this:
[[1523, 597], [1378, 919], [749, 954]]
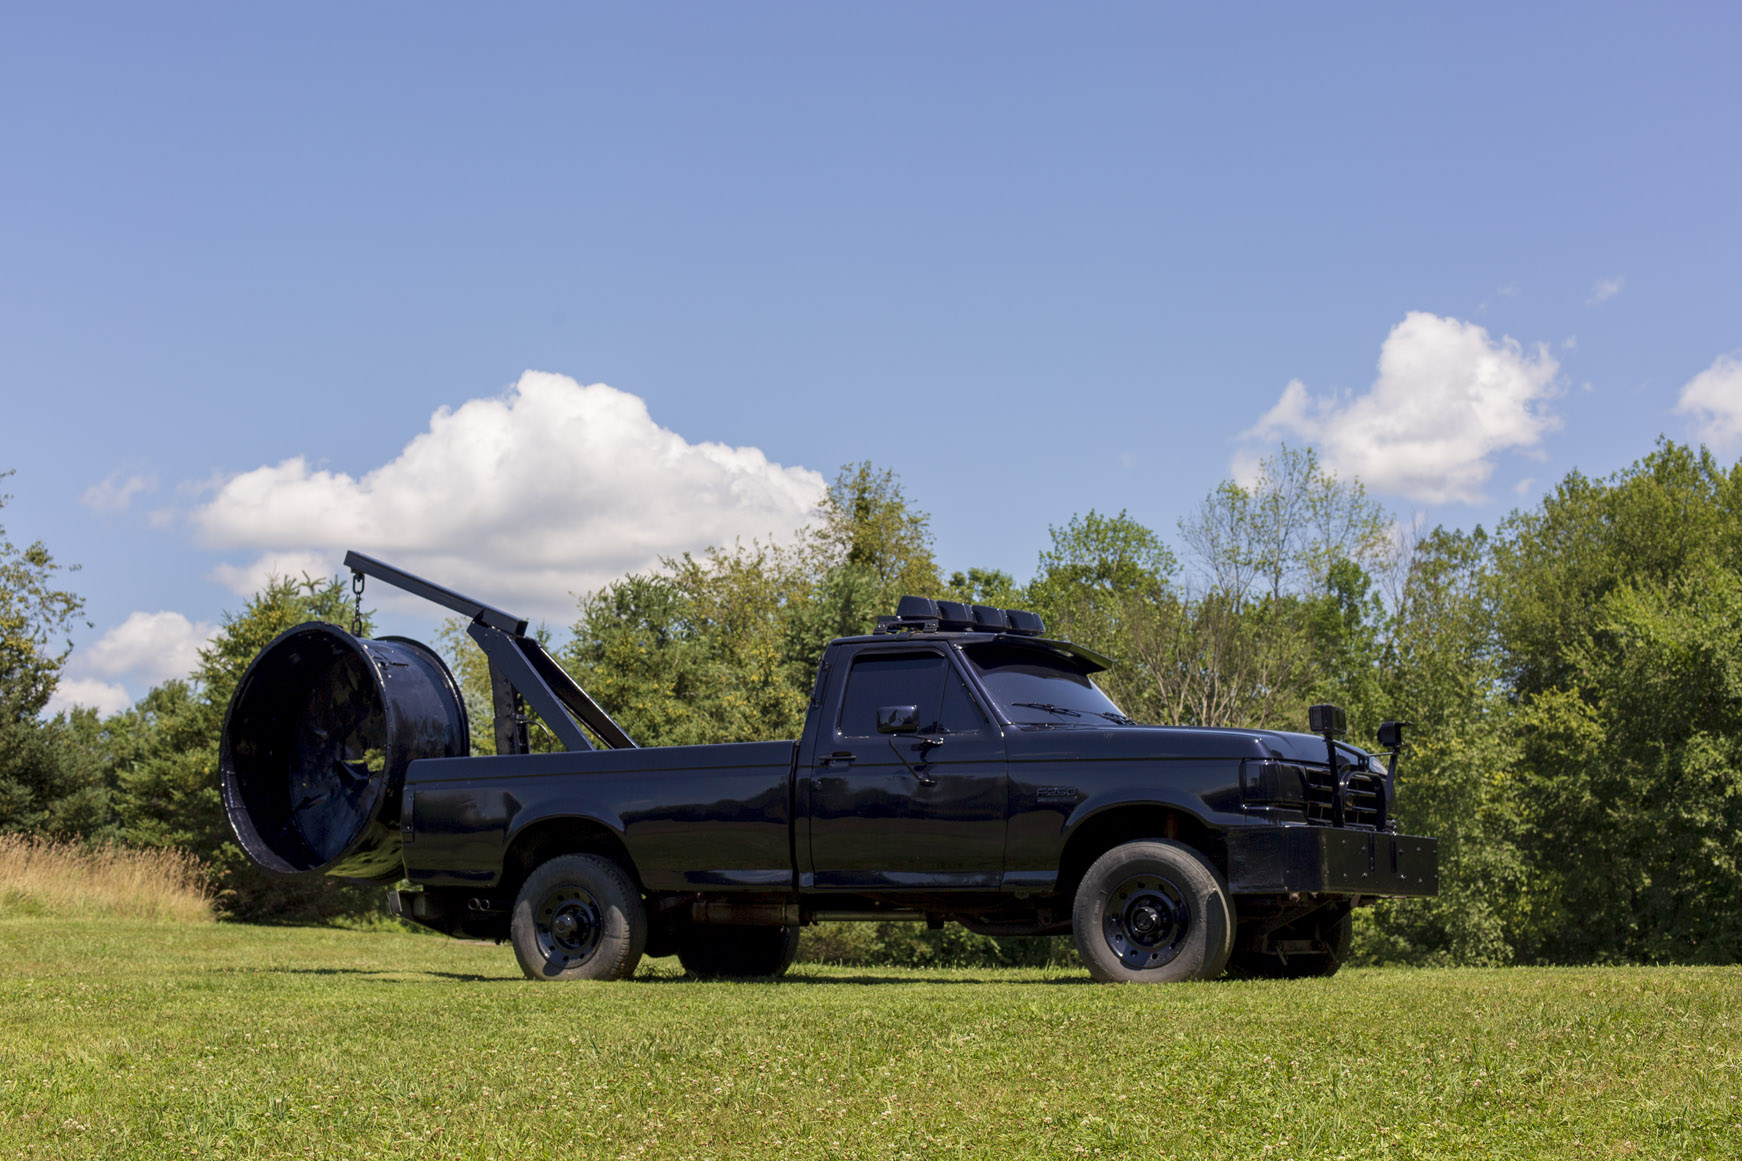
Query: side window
[[961, 714], [875, 680]]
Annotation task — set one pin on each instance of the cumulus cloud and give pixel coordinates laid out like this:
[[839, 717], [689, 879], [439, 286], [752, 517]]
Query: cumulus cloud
[[1605, 289], [1713, 399], [1448, 397], [251, 576], [148, 647], [103, 696], [523, 499], [116, 493]]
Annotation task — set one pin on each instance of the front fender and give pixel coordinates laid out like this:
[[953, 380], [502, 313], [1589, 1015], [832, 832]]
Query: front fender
[[1107, 802]]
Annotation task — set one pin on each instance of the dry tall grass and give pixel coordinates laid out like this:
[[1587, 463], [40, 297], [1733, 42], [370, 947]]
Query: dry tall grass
[[39, 877]]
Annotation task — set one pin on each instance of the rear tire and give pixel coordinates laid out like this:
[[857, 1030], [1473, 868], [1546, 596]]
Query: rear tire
[[712, 952], [1153, 912], [578, 917]]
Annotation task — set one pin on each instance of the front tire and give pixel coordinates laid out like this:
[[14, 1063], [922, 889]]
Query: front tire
[[721, 952], [1153, 912], [578, 917]]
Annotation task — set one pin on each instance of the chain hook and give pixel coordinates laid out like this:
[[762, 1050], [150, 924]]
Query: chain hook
[[357, 580]]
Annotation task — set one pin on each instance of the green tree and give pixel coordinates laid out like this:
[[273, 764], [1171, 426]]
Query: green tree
[[1618, 603], [871, 548], [1216, 660], [1440, 671], [1099, 572], [1106, 582], [40, 790], [984, 586], [1282, 612], [869, 526], [699, 652], [1286, 531], [1344, 625], [1556, 563]]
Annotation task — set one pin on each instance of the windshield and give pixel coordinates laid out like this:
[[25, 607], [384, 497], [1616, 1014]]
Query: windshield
[[1037, 687]]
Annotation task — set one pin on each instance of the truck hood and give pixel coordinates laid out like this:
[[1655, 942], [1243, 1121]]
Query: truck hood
[[1128, 742]]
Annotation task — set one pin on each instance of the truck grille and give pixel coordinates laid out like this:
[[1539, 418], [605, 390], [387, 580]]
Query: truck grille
[[1363, 802]]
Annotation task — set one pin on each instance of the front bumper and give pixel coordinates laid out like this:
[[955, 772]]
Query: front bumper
[[1273, 860]]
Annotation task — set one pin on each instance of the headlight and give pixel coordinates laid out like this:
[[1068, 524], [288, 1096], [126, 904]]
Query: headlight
[[1273, 783]]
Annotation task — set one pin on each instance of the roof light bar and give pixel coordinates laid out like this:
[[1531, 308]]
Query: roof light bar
[[925, 615]]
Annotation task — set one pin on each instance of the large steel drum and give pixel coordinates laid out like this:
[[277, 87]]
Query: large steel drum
[[316, 742]]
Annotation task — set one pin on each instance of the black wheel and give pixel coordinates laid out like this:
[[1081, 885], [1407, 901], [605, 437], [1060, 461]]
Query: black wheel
[[578, 917], [1331, 934], [715, 952], [1153, 912]]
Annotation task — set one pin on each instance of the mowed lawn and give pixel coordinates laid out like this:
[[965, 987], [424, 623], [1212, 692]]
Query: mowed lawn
[[124, 1039]]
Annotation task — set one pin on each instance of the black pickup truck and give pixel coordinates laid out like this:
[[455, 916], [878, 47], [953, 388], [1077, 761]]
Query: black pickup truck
[[956, 765]]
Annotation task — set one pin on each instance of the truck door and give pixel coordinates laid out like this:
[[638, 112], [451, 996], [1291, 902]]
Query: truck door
[[925, 809]]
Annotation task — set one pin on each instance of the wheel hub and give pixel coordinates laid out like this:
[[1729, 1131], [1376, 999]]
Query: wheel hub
[[1146, 921], [569, 925]]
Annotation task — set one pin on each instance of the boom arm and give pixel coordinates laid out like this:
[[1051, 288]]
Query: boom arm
[[519, 666]]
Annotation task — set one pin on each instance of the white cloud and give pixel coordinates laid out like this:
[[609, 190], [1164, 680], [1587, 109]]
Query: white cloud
[[522, 499], [1714, 399], [1605, 289], [116, 493], [249, 578], [149, 647], [146, 649], [1447, 398], [104, 697]]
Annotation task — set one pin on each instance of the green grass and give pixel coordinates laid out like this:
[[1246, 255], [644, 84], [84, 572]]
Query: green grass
[[123, 1039]]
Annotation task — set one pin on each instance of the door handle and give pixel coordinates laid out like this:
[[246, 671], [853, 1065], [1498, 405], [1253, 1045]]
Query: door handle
[[837, 756]]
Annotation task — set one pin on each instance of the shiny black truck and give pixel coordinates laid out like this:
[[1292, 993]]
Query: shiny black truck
[[955, 765]]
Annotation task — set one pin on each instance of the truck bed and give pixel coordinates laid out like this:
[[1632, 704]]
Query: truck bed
[[691, 817]]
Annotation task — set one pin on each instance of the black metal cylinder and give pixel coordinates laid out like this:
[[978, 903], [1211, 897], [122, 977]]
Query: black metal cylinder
[[316, 741]]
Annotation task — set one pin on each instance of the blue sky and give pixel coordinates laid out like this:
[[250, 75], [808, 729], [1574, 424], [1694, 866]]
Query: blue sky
[[1036, 259]]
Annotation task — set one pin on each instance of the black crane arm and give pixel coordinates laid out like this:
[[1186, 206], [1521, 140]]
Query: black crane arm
[[518, 665]]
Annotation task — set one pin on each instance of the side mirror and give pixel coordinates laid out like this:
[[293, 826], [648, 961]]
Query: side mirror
[[898, 719]]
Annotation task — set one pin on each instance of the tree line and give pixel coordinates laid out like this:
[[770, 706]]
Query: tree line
[[1572, 677]]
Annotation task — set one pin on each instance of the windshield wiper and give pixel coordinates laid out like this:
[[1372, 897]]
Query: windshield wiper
[[1117, 717], [1050, 708]]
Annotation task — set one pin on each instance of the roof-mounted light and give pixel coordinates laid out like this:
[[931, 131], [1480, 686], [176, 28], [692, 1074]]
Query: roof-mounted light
[[917, 609], [955, 615], [990, 620]]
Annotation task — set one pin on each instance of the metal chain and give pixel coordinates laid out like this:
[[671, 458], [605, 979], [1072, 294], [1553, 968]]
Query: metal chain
[[357, 579]]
